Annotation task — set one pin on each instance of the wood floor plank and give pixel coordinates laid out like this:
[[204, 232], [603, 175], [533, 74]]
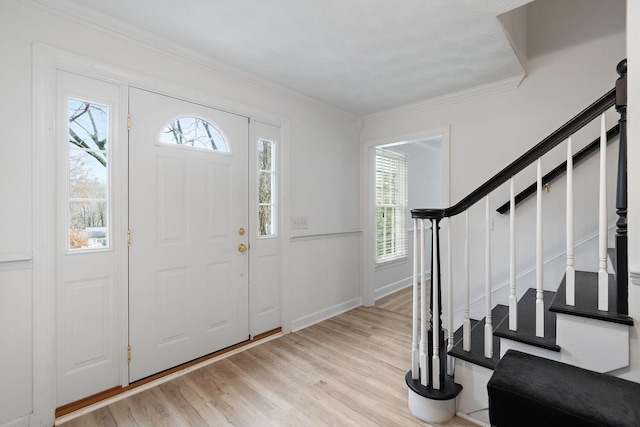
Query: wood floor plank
[[398, 302], [345, 371], [122, 414]]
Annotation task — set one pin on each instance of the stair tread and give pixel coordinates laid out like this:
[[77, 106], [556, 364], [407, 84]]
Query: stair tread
[[586, 300], [449, 388], [476, 353], [526, 332]]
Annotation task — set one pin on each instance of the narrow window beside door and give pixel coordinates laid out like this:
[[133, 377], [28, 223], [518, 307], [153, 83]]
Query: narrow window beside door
[[391, 206], [266, 187], [88, 215]]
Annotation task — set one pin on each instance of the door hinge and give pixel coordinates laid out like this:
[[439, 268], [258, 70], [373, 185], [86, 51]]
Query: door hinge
[[128, 353], [128, 238], [128, 121]]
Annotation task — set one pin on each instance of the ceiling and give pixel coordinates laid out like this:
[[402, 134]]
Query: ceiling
[[362, 56]]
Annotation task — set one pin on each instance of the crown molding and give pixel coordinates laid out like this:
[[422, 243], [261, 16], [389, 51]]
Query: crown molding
[[448, 99], [128, 32]]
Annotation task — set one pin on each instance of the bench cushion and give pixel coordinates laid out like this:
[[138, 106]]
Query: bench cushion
[[527, 390]]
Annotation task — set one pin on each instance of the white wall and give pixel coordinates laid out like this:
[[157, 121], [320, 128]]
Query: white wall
[[633, 170], [321, 167], [565, 74]]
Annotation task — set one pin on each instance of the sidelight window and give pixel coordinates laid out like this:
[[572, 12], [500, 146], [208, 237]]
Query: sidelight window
[[266, 187], [88, 214]]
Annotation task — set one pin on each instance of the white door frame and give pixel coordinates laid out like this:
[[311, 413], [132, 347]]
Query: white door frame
[[46, 62], [367, 168]]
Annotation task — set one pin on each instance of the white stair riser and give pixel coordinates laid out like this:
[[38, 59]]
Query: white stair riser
[[587, 343], [592, 344]]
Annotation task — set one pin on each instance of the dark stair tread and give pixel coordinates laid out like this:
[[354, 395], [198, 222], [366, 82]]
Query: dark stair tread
[[587, 299], [449, 388], [457, 335], [476, 353], [526, 332]]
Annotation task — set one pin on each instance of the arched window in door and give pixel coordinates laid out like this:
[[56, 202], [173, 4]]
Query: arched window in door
[[194, 132]]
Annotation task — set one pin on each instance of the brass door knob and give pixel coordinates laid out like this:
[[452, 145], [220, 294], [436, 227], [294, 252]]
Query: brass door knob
[[242, 247]]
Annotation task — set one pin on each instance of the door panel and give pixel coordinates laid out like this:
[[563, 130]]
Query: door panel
[[86, 267], [188, 284]]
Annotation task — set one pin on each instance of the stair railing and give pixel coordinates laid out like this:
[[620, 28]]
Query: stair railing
[[427, 361], [589, 150]]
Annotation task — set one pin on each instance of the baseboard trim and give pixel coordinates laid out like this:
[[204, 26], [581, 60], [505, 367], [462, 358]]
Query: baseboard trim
[[327, 313], [392, 287], [473, 420]]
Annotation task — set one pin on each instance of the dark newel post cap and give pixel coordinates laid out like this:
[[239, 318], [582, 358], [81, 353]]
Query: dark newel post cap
[[427, 213], [621, 68], [621, 86]]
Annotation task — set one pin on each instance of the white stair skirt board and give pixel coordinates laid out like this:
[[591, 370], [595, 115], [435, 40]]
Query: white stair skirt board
[[473, 400], [587, 343], [431, 410]]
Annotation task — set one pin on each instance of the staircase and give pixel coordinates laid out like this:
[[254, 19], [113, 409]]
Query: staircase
[[581, 321]]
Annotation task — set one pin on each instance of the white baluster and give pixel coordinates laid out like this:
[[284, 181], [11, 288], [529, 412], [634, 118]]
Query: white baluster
[[488, 326], [415, 352], [435, 322], [450, 359], [513, 302], [539, 259], [603, 275], [466, 325], [570, 273], [424, 371]]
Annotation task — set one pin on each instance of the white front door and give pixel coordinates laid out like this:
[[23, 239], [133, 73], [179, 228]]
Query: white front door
[[188, 219]]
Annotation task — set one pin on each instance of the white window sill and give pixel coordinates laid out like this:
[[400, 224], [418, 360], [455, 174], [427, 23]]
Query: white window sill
[[391, 263]]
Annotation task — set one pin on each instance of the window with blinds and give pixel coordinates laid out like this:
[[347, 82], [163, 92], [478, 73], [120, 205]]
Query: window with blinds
[[391, 206]]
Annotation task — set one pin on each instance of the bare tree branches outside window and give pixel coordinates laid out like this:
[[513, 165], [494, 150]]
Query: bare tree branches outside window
[[88, 125], [194, 132]]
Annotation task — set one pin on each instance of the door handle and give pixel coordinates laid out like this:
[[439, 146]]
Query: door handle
[[242, 247]]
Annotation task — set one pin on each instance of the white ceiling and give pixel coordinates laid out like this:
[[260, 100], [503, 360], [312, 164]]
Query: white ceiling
[[363, 56]]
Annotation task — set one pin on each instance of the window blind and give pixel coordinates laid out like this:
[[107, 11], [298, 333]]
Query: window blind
[[391, 205]]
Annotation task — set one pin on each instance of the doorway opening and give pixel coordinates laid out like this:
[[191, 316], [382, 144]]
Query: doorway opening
[[426, 158]]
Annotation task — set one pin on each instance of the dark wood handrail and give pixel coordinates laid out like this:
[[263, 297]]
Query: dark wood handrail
[[569, 128], [580, 156]]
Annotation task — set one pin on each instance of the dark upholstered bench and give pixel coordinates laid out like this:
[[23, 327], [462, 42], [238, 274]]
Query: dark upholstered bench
[[527, 390]]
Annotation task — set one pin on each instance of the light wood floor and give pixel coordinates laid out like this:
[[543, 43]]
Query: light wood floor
[[400, 302], [345, 371]]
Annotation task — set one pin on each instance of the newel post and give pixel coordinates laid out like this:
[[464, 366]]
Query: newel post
[[621, 193], [438, 367], [432, 394]]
